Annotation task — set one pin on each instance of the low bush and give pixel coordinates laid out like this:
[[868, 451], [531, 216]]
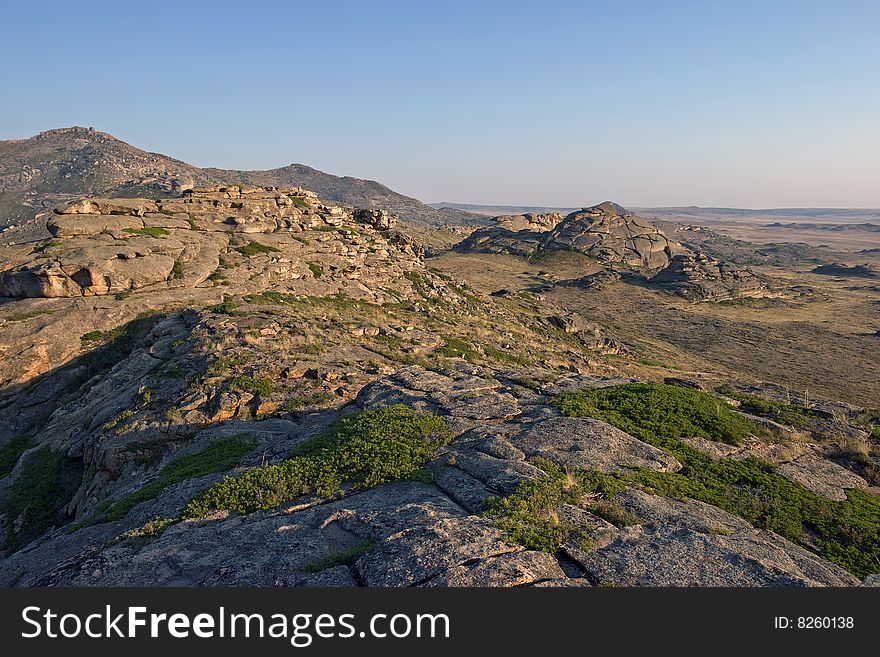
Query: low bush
[[255, 248], [363, 449]]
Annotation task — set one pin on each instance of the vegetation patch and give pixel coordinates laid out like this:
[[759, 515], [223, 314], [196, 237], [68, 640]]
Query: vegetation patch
[[788, 414], [316, 399], [340, 558], [149, 231], [530, 515], [46, 482], [11, 452], [363, 449], [659, 413], [20, 317], [458, 348], [254, 384], [255, 248], [845, 532], [272, 297], [227, 307], [316, 269]]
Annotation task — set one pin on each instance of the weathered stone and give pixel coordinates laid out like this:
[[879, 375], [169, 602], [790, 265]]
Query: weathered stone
[[821, 476], [590, 444]]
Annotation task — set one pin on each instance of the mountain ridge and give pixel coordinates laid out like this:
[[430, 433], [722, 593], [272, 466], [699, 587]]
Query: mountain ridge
[[62, 164]]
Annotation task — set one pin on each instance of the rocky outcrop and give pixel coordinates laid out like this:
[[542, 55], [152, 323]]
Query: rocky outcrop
[[530, 221], [846, 271], [606, 232], [598, 281], [112, 246], [701, 278]]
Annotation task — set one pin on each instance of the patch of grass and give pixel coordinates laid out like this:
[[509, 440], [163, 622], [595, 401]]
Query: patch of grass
[[11, 452], [301, 240], [316, 399], [505, 356], [219, 456], [255, 248], [225, 363], [845, 532], [191, 220], [789, 414], [458, 348], [42, 248], [122, 417], [272, 297], [316, 269], [255, 384], [176, 270], [659, 411], [20, 317], [298, 201], [122, 296], [530, 515], [365, 449], [149, 231], [226, 307], [341, 558], [47, 481]]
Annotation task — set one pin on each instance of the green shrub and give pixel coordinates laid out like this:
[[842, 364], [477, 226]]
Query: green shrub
[[316, 269], [271, 297], [227, 307], [662, 412], [177, 270], [529, 516], [148, 231], [11, 452], [255, 248], [458, 348], [365, 449], [20, 317], [341, 558], [255, 384], [45, 484], [789, 414]]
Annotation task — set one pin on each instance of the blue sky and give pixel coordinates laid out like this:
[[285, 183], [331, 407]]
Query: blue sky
[[749, 104]]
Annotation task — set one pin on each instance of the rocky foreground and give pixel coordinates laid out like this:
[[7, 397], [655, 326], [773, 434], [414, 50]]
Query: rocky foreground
[[253, 386]]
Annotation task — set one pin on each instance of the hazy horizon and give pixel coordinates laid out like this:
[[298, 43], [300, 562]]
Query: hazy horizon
[[752, 105]]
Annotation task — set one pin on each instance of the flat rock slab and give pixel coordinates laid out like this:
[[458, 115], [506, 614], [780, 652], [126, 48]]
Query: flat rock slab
[[670, 556], [591, 445], [512, 569], [821, 476], [414, 556]]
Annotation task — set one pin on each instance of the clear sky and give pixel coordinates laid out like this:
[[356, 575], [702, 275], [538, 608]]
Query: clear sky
[[738, 103]]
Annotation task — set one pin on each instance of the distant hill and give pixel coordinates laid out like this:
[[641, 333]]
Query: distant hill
[[691, 212], [496, 210], [59, 165]]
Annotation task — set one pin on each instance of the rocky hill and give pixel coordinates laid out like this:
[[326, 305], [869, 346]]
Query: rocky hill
[[701, 278], [58, 166], [606, 232]]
